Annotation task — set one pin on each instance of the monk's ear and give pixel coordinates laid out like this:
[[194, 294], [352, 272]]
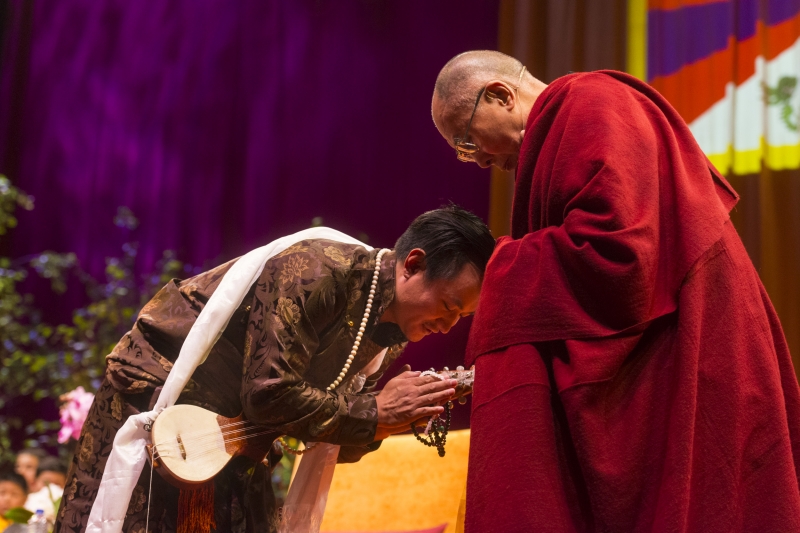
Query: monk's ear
[[501, 92], [414, 263]]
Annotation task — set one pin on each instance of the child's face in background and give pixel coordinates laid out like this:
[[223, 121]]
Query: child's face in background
[[50, 477], [26, 467], [11, 495]]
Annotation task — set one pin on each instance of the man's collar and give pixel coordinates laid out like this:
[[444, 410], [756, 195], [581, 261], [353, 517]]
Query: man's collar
[[385, 333]]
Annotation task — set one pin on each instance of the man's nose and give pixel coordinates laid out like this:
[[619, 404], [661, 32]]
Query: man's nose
[[445, 324], [484, 161]]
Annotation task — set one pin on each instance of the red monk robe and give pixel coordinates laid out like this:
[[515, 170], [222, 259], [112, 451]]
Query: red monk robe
[[632, 374]]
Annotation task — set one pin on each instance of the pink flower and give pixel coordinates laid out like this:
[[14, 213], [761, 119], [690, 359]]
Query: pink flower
[[73, 413]]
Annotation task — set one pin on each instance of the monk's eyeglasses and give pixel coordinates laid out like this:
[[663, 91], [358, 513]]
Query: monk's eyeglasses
[[465, 149]]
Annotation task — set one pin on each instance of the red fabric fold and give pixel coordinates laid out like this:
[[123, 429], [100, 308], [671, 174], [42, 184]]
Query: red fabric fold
[[632, 374], [614, 202]]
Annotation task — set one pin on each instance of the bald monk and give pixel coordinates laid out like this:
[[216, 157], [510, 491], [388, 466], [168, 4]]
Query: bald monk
[[632, 374]]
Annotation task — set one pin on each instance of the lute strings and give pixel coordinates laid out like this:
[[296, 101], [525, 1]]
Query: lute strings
[[211, 439]]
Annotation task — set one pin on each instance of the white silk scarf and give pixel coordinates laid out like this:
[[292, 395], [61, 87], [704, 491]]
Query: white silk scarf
[[128, 454], [308, 493]]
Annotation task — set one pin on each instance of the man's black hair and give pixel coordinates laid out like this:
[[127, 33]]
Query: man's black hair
[[451, 238], [50, 464], [13, 477]]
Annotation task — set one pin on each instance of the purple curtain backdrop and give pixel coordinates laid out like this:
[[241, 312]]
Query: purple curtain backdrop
[[223, 125]]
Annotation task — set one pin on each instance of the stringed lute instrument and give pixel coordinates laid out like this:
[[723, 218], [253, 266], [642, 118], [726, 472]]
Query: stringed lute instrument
[[191, 445]]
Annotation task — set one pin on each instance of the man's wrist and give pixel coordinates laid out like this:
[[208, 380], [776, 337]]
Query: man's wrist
[[357, 427], [382, 434]]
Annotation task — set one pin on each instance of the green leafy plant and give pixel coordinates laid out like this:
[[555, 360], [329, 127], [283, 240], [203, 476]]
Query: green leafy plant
[[19, 515], [43, 360], [10, 199]]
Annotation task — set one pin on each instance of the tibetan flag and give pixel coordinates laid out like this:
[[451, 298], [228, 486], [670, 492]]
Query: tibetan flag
[[731, 69]]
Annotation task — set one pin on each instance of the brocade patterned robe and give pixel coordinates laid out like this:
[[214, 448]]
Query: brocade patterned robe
[[286, 342]]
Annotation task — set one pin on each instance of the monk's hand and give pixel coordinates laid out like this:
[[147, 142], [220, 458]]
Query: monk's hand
[[410, 397]]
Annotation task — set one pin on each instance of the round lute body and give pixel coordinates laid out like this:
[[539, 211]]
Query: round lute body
[[191, 444]]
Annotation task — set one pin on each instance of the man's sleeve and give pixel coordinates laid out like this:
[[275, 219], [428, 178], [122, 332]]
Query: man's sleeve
[[353, 454], [288, 309]]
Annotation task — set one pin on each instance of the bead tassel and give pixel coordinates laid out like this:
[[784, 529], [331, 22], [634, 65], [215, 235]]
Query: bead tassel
[[437, 436], [196, 509]]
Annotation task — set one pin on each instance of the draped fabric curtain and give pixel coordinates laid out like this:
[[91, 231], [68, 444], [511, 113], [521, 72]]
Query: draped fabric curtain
[[223, 125], [730, 67], [553, 38]]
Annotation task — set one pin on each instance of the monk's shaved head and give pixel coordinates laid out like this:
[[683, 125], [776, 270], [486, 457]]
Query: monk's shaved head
[[491, 132], [463, 76]]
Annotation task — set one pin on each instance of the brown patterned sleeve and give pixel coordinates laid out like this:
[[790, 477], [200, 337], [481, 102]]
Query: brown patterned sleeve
[[353, 454], [299, 294]]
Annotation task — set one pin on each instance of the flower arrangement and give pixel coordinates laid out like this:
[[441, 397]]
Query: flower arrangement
[[73, 411]]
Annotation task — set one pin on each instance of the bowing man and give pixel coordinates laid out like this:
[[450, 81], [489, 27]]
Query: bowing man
[[289, 338]]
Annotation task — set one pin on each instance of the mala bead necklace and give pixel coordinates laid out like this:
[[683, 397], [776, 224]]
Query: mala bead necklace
[[362, 328], [436, 431], [288, 447]]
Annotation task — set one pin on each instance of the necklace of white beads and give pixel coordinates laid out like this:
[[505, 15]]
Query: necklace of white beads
[[359, 335]]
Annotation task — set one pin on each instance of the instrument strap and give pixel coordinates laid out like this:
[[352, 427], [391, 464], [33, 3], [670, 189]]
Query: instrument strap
[[149, 498]]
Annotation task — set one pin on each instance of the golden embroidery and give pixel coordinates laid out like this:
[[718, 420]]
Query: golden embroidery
[[191, 386], [336, 255], [136, 386], [288, 311], [116, 406], [149, 307], [355, 292], [138, 499], [293, 268], [165, 364], [86, 453], [73, 488], [69, 494], [293, 249], [248, 342]]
